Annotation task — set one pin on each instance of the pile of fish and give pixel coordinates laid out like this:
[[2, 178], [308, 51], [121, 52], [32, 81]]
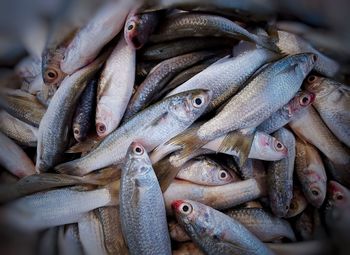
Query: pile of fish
[[176, 127]]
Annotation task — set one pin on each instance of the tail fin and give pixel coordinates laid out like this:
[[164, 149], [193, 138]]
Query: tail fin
[[71, 168]]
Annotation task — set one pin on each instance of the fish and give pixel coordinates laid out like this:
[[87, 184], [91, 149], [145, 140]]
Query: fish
[[21, 132], [214, 232], [89, 40], [315, 247], [219, 197], [332, 103], [284, 115], [14, 159], [280, 176], [139, 26], [115, 87], [310, 172], [68, 240], [262, 224], [153, 126], [205, 171], [142, 212], [27, 69], [56, 207], [198, 24], [298, 203], [55, 126], [23, 106], [83, 118], [304, 225], [177, 233], [158, 77]]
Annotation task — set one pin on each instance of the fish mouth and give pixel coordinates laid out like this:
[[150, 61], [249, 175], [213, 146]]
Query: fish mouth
[[101, 128]]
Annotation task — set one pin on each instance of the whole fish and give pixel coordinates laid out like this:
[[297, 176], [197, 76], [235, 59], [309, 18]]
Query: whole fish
[[298, 203], [115, 88], [214, 232], [153, 126], [83, 118], [106, 23], [23, 106], [138, 28], [205, 171], [19, 131], [54, 129], [332, 103], [14, 159], [56, 207], [158, 77], [280, 176], [293, 44], [218, 197], [142, 211], [262, 224], [197, 24], [311, 173], [284, 115]]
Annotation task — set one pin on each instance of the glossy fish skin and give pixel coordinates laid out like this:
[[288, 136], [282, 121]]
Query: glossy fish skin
[[262, 224], [54, 129], [157, 79], [84, 113], [214, 232], [138, 28], [311, 173], [14, 159], [332, 103], [153, 126], [205, 171], [142, 211], [19, 131], [284, 115], [115, 88], [280, 176], [279, 82], [226, 76], [218, 197], [196, 24]]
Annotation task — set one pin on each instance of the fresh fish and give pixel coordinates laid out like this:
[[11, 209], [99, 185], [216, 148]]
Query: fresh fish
[[218, 197], [262, 224], [14, 159], [298, 203], [293, 44], [197, 24], [280, 176], [68, 241], [138, 28], [83, 118], [56, 207], [19, 131], [311, 173], [115, 88], [214, 232], [107, 22], [23, 106], [158, 77], [284, 115], [142, 211], [332, 103], [153, 126], [55, 126]]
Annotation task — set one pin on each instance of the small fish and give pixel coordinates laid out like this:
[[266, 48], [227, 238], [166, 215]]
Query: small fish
[[298, 203], [214, 232], [142, 211]]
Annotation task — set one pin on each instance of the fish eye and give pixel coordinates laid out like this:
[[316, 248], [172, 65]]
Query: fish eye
[[222, 174], [304, 100], [186, 208], [76, 131], [278, 146], [198, 101], [339, 196], [311, 78], [138, 150], [131, 25], [315, 192], [51, 74]]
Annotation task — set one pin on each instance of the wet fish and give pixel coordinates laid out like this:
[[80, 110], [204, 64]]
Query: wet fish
[[153, 126], [280, 176], [215, 232], [298, 203], [14, 159], [142, 211], [115, 88], [311, 173], [83, 118], [262, 224], [332, 103]]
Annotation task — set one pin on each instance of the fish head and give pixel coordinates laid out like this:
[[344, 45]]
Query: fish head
[[299, 102], [104, 118], [338, 195], [78, 132], [51, 71], [317, 85], [189, 105], [268, 147], [297, 204], [131, 31], [317, 184]]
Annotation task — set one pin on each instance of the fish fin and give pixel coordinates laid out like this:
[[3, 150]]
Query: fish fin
[[272, 30], [70, 168], [237, 141], [166, 172], [102, 176], [113, 189], [267, 43], [85, 146]]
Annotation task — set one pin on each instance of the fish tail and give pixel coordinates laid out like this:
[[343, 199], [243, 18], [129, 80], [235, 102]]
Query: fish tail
[[71, 168], [85, 146], [162, 151]]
